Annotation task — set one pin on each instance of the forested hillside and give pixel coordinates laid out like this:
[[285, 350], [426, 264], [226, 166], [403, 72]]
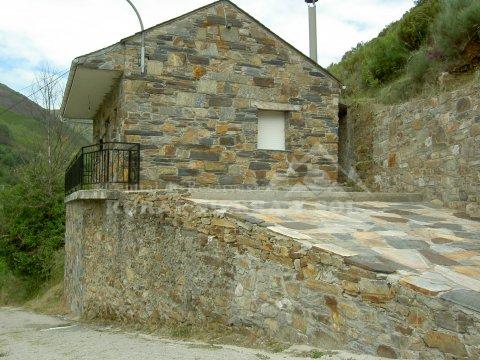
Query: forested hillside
[[414, 54], [23, 131], [18, 134], [35, 148]]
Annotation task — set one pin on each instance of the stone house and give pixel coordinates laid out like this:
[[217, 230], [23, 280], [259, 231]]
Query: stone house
[[223, 101]]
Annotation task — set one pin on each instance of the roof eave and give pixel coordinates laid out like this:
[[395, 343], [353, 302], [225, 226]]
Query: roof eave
[[82, 59], [68, 87]]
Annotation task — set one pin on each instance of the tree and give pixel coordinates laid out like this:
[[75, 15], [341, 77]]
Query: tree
[[32, 220], [57, 150]]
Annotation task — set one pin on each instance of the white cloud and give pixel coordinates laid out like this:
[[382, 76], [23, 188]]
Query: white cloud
[[56, 31]]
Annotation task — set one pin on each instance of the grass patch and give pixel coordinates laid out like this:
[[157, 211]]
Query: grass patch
[[18, 134], [17, 291], [262, 357], [13, 290], [317, 354], [276, 346], [50, 301], [50, 298], [205, 346], [23, 130], [212, 334], [181, 331]]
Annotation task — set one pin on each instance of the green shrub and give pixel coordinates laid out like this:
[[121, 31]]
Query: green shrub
[[414, 28], [350, 68], [385, 59], [398, 91], [433, 36], [374, 63], [418, 66], [32, 224], [5, 135], [9, 158], [456, 25]]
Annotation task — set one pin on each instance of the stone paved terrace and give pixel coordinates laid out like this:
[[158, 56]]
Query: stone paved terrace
[[394, 278], [431, 250]]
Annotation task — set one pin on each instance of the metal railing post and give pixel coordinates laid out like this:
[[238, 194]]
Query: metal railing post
[[108, 165], [137, 179], [82, 159], [129, 168]]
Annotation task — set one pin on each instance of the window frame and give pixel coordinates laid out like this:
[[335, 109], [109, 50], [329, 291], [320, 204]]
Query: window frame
[[285, 126]]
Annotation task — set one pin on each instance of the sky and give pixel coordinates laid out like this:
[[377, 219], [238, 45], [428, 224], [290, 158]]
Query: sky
[[38, 32]]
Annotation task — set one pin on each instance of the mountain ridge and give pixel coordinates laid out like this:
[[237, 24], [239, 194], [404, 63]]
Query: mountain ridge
[[22, 129], [18, 103]]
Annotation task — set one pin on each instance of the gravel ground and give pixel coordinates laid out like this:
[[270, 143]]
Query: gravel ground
[[26, 335]]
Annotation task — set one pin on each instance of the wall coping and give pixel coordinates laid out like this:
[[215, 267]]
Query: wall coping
[[96, 194], [249, 195]]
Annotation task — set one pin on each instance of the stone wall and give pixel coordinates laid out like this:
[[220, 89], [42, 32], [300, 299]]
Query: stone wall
[[429, 145], [108, 125], [195, 111], [150, 257]]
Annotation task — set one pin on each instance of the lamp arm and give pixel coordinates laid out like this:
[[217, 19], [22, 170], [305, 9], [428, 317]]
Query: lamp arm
[[142, 57]]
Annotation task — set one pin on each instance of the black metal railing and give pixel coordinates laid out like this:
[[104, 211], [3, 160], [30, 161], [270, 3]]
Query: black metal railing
[[102, 164]]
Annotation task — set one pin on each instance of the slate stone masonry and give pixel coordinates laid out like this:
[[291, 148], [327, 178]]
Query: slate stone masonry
[[151, 257], [195, 111], [428, 145]]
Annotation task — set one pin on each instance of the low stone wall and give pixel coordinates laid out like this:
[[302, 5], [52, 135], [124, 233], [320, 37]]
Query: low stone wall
[[156, 256], [429, 145]]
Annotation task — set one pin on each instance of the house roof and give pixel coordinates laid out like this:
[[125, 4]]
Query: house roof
[[77, 61]]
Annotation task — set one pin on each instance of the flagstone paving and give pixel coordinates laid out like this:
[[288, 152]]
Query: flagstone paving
[[434, 251]]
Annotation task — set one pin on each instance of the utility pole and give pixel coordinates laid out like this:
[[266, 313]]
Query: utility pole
[[312, 16]]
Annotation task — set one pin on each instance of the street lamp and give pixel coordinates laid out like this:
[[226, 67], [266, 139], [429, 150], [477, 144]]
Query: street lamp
[[142, 55], [312, 15]]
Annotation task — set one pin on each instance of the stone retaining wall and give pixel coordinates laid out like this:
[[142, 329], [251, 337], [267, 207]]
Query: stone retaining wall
[[154, 257], [429, 145]]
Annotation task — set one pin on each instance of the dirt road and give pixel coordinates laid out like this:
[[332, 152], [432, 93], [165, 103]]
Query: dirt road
[[25, 335]]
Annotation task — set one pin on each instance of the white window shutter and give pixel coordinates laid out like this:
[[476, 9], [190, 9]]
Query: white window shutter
[[271, 130]]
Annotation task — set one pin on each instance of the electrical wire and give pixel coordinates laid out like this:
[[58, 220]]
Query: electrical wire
[[39, 81], [35, 92]]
